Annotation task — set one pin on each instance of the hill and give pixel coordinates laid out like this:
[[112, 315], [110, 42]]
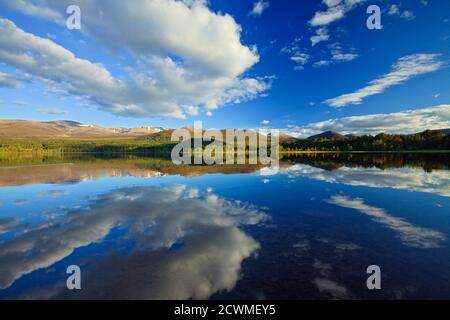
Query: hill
[[328, 135], [444, 131], [425, 141], [285, 138]]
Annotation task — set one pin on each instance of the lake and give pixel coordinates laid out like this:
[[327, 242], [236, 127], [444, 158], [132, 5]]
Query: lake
[[141, 227]]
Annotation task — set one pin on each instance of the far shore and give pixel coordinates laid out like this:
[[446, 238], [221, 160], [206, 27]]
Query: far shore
[[373, 151], [156, 152]]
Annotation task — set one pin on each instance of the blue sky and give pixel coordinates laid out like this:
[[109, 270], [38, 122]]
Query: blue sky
[[302, 66]]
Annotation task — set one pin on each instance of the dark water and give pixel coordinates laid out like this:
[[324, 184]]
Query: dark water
[[143, 228]]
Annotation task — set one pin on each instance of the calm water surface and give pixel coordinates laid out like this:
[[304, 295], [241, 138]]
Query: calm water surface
[[143, 228]]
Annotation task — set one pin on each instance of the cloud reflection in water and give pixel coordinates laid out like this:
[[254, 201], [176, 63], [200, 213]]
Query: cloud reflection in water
[[205, 232], [411, 179], [408, 233]]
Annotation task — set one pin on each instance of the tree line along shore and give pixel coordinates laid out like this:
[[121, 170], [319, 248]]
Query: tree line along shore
[[425, 141]]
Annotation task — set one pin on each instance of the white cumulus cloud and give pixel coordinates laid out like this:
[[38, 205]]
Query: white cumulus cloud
[[182, 55], [404, 122]]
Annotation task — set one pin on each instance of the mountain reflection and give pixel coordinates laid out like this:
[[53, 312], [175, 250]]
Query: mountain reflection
[[83, 168], [185, 245], [332, 161], [415, 172]]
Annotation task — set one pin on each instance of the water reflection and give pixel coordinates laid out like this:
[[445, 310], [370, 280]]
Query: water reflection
[[74, 170], [8, 224], [142, 227], [409, 234], [417, 172], [185, 245], [414, 172], [411, 179], [331, 161]]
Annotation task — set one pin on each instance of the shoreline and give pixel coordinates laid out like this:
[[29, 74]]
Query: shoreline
[[160, 152]]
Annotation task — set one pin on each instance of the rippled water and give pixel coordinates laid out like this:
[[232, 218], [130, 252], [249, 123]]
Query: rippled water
[[144, 228]]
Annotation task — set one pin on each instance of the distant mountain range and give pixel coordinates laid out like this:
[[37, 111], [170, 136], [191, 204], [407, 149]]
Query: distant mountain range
[[67, 129], [72, 129]]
